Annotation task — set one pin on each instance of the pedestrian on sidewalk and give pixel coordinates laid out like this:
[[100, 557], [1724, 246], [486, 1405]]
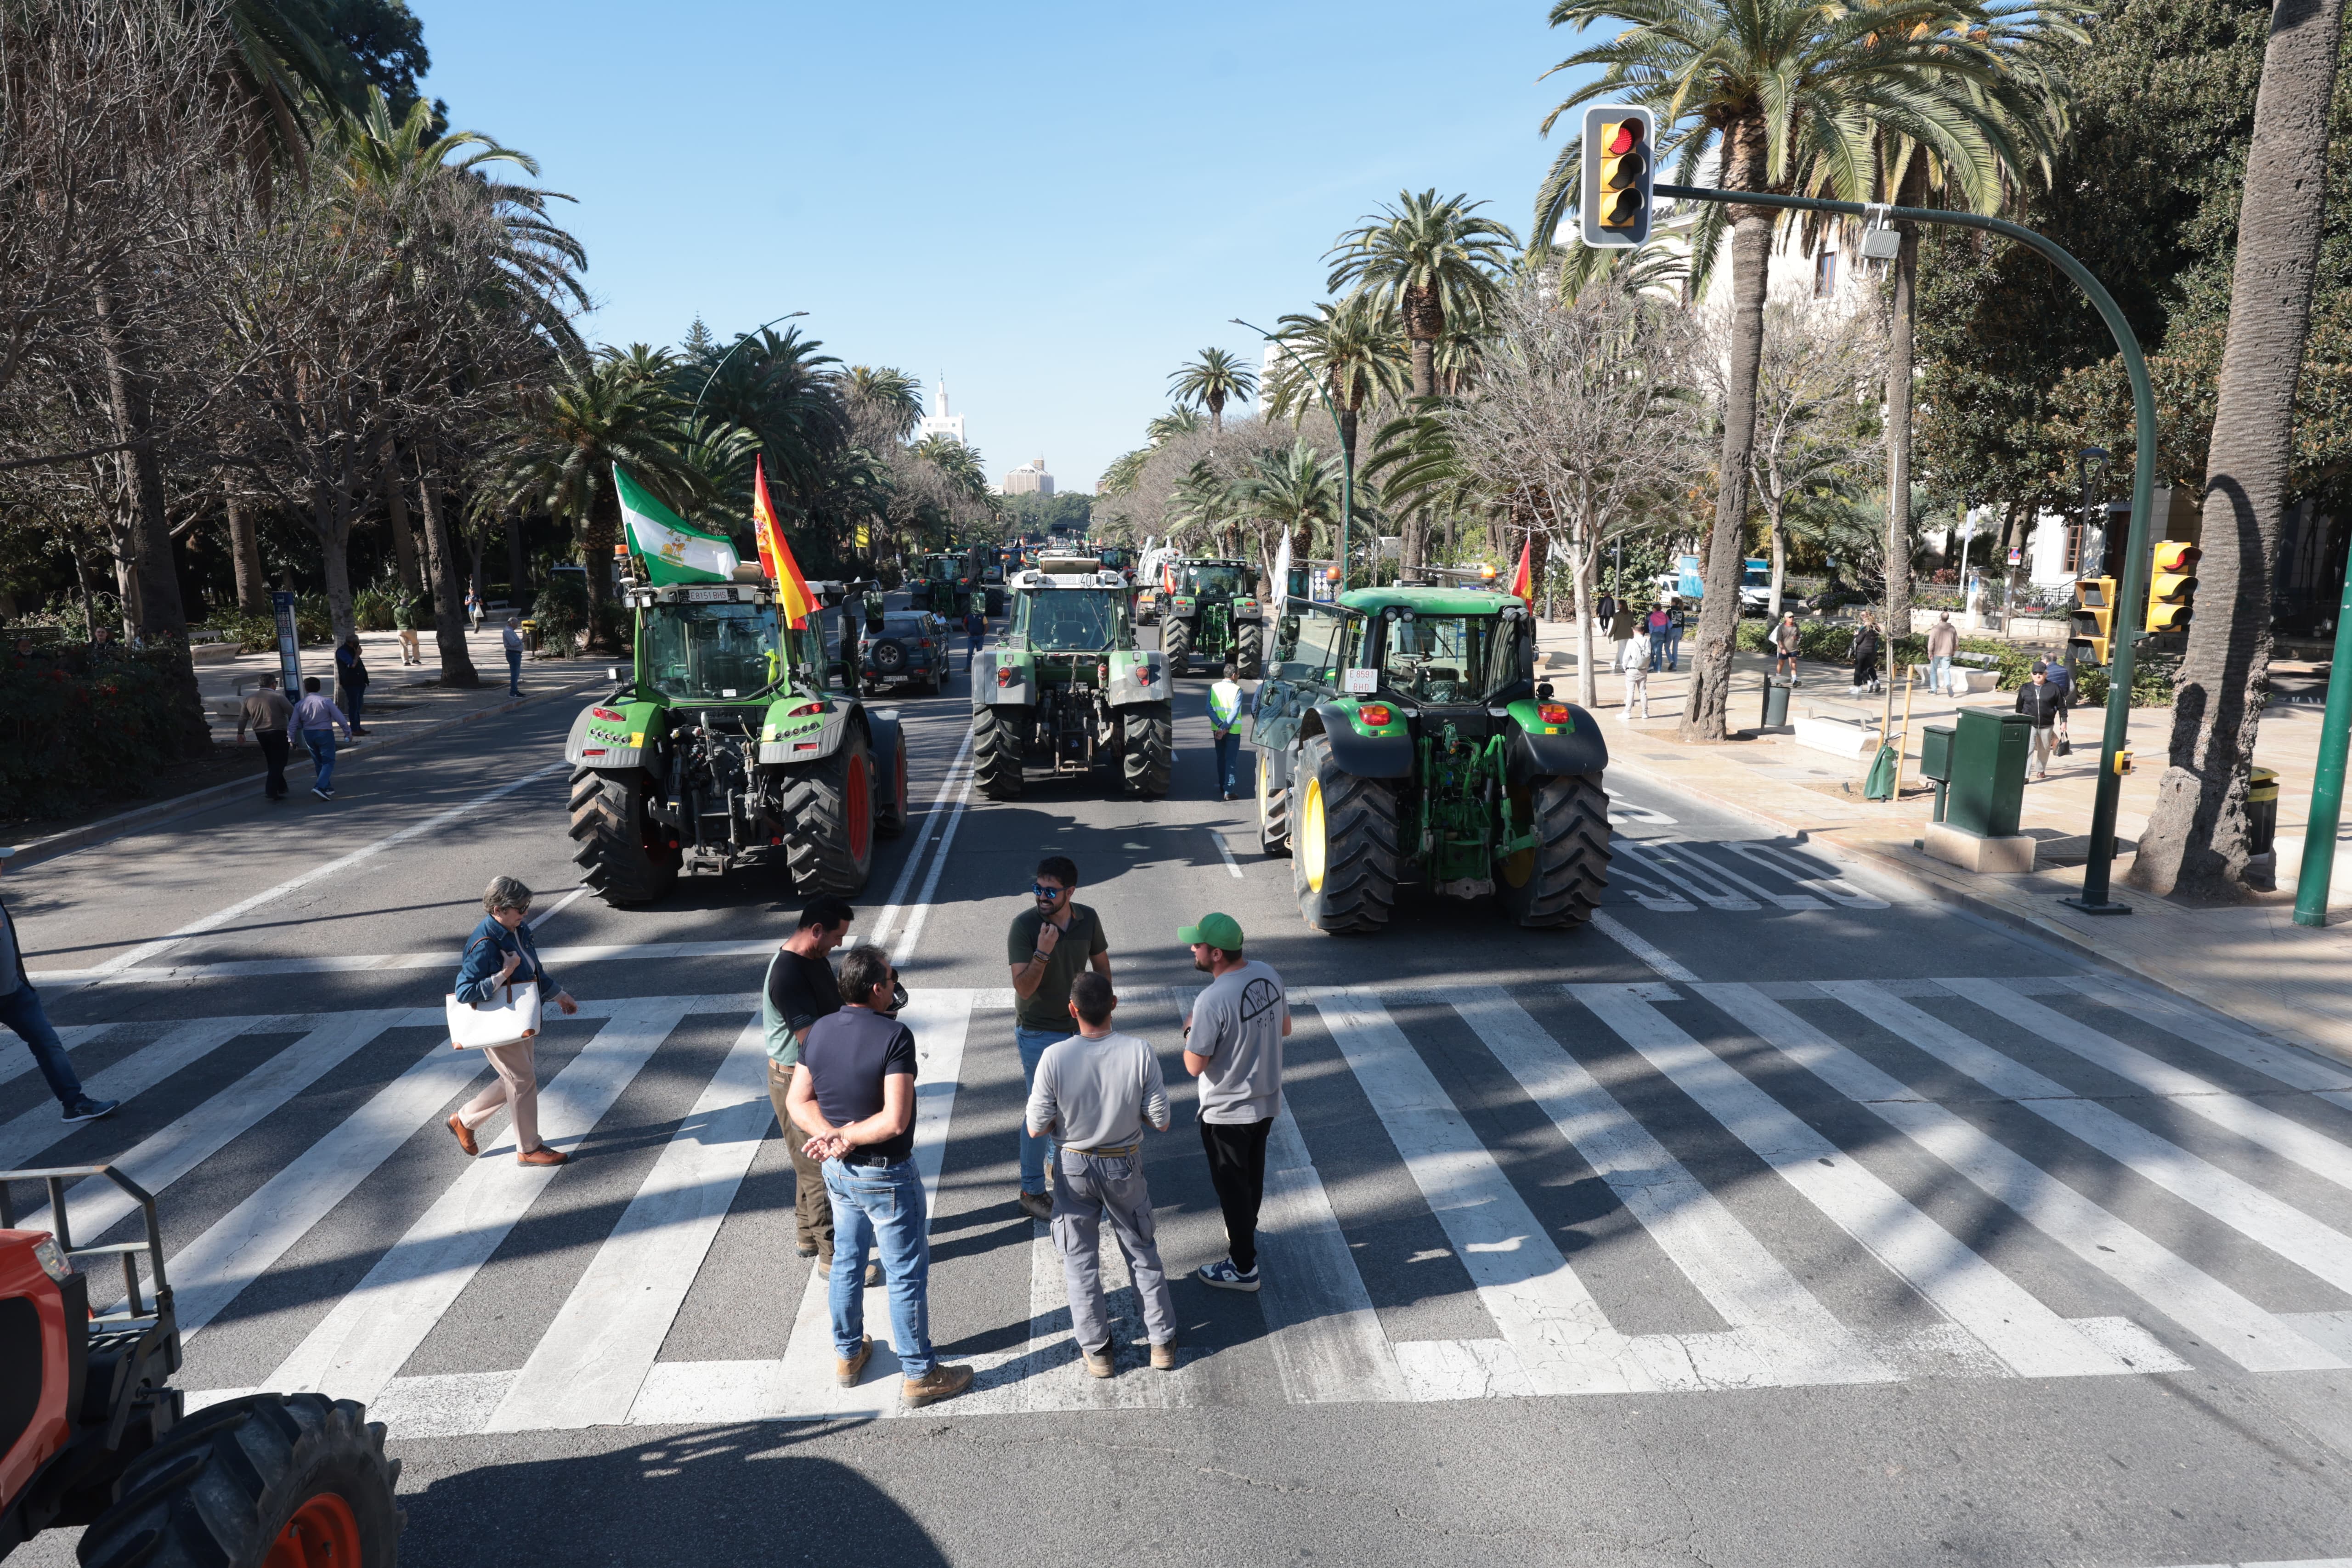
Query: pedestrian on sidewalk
[[314, 721], [1677, 621], [2062, 676], [500, 954], [1655, 622], [1049, 944], [407, 609], [855, 1094], [799, 990], [1943, 642], [1786, 639], [1227, 700], [510, 637], [21, 1013], [975, 630], [1635, 667], [1864, 651], [2046, 705], [1622, 625], [1604, 609], [1232, 1044], [1099, 1090], [352, 682], [473, 609], [266, 708]]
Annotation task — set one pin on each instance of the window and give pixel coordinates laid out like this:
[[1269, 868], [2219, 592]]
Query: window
[[1306, 647], [698, 652], [1439, 658], [1825, 274], [1213, 580], [1068, 620]]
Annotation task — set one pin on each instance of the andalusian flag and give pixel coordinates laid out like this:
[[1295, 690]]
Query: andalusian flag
[[1523, 581], [775, 555], [672, 552]]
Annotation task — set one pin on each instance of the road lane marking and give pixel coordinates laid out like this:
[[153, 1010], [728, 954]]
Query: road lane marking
[[372, 1331], [2212, 1312], [1640, 946], [134, 1075], [892, 910], [2287, 1064], [2028, 1337], [73, 1036], [1784, 1334], [589, 1364], [1225, 849], [922, 911]]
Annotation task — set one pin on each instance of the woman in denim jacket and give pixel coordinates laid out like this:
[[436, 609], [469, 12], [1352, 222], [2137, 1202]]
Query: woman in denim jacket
[[499, 953]]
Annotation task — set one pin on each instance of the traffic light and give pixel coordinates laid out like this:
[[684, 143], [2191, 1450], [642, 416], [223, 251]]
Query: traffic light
[[1619, 171], [2171, 584], [2092, 621]]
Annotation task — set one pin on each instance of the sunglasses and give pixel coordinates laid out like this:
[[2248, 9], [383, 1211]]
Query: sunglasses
[[1044, 891]]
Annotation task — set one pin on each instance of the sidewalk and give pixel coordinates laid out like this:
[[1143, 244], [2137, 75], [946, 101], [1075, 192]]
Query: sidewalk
[[2251, 962]]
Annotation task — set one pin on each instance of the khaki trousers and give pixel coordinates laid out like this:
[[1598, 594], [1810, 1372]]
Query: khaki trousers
[[515, 1085], [812, 1204]]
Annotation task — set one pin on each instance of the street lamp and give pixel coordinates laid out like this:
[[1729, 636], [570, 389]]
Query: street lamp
[[696, 412], [1346, 463]]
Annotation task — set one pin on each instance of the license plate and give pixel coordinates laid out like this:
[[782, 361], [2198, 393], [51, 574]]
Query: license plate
[[708, 595]]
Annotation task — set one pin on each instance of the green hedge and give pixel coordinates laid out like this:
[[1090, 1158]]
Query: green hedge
[[1827, 642], [70, 739]]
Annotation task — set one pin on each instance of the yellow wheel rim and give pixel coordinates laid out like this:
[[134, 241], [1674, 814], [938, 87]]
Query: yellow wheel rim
[[1311, 834], [1262, 771]]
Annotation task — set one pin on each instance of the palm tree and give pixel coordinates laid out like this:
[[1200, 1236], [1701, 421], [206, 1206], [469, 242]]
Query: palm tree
[[891, 400], [2196, 837], [1211, 381], [1352, 350], [1431, 260], [1177, 421], [1295, 492], [1781, 94]]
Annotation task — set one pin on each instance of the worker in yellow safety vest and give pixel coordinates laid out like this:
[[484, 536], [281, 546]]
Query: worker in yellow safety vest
[[1225, 699]]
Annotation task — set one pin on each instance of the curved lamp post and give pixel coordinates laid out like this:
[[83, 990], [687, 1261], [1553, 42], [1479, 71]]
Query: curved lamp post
[[696, 412], [1346, 465]]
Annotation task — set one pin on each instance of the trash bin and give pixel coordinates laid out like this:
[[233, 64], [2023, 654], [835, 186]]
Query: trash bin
[[1987, 771], [1776, 702], [2261, 812], [1936, 761]]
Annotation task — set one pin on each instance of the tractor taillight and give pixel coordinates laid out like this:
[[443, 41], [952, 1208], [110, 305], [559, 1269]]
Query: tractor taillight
[[1552, 712], [1102, 674], [1004, 677], [804, 710], [1377, 714], [604, 713]]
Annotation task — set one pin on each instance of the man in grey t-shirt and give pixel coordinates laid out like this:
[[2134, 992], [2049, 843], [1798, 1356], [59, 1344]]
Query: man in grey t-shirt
[[1232, 1044]]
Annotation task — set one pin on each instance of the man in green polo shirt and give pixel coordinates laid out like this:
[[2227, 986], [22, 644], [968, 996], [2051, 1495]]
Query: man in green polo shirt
[[1051, 943]]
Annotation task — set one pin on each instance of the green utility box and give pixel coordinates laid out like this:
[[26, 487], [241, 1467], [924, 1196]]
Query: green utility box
[[1936, 761], [1987, 771]]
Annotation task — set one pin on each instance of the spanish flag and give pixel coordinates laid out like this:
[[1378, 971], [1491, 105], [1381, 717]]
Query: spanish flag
[[775, 555], [1523, 581]]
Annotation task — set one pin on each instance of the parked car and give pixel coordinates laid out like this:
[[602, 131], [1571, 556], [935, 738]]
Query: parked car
[[910, 650]]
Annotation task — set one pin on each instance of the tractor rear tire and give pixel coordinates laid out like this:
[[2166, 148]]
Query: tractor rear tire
[[1273, 810], [1176, 642], [890, 808], [624, 855], [1343, 862], [1246, 650], [1148, 758], [1559, 882], [1000, 741], [265, 1479], [828, 809]]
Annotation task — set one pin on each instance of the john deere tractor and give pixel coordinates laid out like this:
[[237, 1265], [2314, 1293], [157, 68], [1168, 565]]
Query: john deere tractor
[[1401, 739], [1209, 608], [1068, 692], [725, 746], [944, 584]]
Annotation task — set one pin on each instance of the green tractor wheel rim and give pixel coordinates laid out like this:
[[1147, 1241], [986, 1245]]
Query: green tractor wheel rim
[[1311, 834], [1519, 870]]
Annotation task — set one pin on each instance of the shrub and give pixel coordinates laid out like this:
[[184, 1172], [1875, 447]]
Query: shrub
[[71, 735], [560, 611], [371, 608]]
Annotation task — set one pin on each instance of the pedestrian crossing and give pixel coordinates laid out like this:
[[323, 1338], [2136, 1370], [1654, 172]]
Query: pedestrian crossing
[[1839, 1182]]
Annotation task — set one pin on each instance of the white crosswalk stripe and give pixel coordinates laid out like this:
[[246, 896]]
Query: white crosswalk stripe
[[1323, 1329]]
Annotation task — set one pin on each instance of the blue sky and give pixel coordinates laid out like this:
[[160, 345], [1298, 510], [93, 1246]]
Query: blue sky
[[1056, 204]]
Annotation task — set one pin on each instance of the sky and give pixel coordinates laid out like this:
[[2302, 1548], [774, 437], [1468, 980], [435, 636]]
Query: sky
[[1055, 204]]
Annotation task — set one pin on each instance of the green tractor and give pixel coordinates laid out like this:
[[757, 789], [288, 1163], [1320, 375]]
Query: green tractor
[[1401, 738], [1068, 691], [724, 745], [1211, 608], [944, 584]]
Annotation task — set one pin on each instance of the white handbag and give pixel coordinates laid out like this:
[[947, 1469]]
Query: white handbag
[[509, 1018]]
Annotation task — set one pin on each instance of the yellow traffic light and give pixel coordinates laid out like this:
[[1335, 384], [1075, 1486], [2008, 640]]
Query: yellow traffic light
[[1620, 169], [2171, 584], [2092, 624]]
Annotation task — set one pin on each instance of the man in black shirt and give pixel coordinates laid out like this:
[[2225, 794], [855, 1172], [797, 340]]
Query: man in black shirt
[[854, 1095], [800, 990]]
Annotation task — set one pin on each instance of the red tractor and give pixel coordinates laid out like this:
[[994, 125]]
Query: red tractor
[[91, 1432]]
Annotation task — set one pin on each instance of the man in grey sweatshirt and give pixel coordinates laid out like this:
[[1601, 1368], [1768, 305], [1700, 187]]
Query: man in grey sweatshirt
[[1095, 1091]]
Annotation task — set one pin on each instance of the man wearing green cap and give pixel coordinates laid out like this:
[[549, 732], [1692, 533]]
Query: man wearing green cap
[[1232, 1044]]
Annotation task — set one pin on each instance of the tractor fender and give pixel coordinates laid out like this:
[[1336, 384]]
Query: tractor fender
[[814, 747], [1584, 750], [882, 730], [1278, 769], [987, 693], [1138, 677], [1366, 756], [602, 744]]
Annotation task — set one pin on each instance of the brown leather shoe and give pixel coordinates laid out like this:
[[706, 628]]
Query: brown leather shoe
[[847, 1372], [465, 1135], [944, 1382], [1099, 1363], [543, 1155], [1163, 1358]]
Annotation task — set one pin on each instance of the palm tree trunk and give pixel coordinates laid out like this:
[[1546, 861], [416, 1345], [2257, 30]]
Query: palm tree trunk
[[1899, 435], [1704, 712], [1425, 367], [395, 510], [448, 592], [2196, 841], [245, 550], [596, 537]]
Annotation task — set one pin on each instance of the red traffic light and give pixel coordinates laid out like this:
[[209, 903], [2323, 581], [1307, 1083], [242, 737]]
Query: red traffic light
[[1621, 138]]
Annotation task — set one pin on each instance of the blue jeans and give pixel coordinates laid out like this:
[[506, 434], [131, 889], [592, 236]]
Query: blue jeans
[[971, 652], [1673, 646], [1228, 748], [1939, 674], [1658, 650], [21, 1010], [1034, 1151], [880, 1209], [322, 756], [514, 672], [351, 699]]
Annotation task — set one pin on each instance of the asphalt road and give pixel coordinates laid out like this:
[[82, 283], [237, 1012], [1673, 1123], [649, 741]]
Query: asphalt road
[[1777, 1218]]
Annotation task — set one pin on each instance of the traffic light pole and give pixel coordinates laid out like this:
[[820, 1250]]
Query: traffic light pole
[[2327, 784], [2131, 612]]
